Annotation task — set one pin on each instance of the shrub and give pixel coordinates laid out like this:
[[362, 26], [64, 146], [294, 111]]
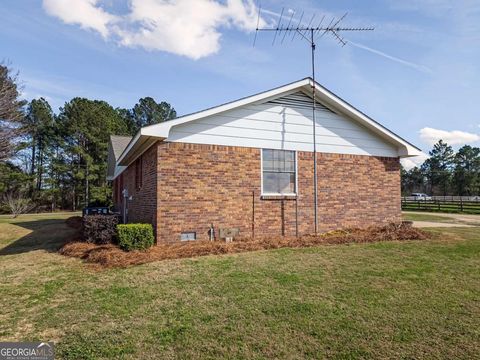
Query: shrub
[[135, 236], [18, 203], [99, 229]]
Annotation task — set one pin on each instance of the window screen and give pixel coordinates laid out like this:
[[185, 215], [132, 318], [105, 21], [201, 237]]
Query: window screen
[[279, 172]]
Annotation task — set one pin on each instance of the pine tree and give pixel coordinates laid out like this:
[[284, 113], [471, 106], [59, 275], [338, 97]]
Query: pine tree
[[87, 125], [467, 170], [39, 128], [148, 112], [438, 168], [11, 111]]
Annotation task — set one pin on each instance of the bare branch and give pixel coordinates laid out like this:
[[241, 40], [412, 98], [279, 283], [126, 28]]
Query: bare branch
[[18, 203]]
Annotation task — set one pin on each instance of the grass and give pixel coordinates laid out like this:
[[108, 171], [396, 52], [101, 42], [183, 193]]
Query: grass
[[415, 299], [427, 217], [33, 232]]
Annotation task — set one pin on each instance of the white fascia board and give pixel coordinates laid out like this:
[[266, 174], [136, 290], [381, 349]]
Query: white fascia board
[[405, 148], [137, 147], [163, 129], [129, 146], [409, 151], [118, 171], [139, 144]]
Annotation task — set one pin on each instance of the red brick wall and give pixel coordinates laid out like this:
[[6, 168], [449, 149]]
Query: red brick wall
[[142, 208], [203, 184]]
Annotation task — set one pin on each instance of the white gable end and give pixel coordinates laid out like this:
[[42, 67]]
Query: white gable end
[[279, 118], [283, 123]]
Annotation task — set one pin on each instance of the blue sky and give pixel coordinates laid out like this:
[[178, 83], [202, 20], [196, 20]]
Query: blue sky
[[417, 73]]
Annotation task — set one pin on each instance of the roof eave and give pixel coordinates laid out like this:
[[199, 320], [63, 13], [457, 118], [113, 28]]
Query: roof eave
[[409, 151], [148, 135], [139, 144], [118, 171], [161, 131], [406, 149]]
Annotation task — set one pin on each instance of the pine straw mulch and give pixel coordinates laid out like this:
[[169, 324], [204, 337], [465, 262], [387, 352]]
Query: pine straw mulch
[[112, 256]]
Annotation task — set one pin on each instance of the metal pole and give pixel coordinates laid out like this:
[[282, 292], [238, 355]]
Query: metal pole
[[303, 31], [314, 134], [296, 217], [253, 214]]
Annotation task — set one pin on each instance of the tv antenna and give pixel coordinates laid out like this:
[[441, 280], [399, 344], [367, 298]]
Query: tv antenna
[[310, 33]]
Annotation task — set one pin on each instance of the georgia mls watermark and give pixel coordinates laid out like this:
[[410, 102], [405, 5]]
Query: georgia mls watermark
[[27, 351]]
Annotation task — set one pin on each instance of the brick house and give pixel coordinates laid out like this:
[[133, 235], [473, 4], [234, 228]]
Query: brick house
[[248, 165]]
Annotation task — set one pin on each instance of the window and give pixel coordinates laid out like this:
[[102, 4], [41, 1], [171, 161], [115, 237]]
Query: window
[[138, 173], [279, 172]]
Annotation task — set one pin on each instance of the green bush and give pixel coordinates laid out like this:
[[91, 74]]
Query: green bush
[[135, 236]]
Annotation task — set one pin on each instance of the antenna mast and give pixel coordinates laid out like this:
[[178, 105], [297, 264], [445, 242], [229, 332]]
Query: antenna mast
[[309, 34]]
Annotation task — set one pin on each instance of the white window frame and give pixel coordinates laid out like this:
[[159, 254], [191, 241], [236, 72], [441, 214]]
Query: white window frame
[[262, 193]]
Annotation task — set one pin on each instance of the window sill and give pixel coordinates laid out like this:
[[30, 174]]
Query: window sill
[[278, 197]]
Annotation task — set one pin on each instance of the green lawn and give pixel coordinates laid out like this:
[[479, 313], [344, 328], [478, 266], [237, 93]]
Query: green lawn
[[427, 217], [417, 299]]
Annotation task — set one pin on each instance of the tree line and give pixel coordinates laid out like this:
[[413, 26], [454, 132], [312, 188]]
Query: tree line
[[445, 172], [59, 160]]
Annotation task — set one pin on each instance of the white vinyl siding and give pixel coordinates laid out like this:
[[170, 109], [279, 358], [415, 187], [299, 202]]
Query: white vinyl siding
[[283, 123]]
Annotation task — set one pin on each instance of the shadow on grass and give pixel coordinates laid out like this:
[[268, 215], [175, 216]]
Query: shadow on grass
[[49, 235]]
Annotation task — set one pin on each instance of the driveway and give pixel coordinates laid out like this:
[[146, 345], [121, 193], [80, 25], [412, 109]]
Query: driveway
[[425, 224], [450, 220]]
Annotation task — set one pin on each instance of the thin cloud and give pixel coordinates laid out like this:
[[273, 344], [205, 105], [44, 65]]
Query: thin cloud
[[454, 137], [189, 28], [429, 7], [58, 89], [418, 67], [412, 65]]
